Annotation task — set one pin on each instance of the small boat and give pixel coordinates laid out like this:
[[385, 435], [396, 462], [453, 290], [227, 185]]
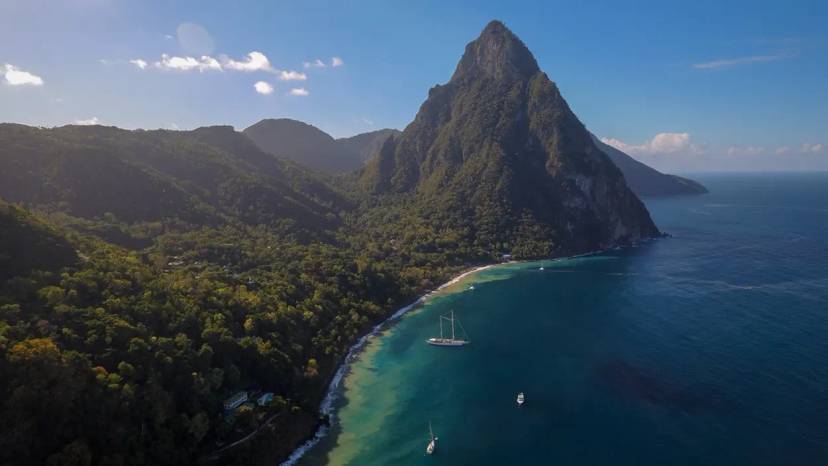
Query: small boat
[[541, 269], [521, 399], [453, 341], [471, 287], [432, 443]]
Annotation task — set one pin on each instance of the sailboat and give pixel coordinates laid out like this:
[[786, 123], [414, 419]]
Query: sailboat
[[521, 399], [432, 443], [453, 341]]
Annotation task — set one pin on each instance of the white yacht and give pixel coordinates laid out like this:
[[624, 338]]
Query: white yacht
[[432, 443], [521, 399], [453, 341]]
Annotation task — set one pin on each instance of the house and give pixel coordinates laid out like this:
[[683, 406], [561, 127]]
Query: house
[[265, 399], [506, 257], [235, 401]]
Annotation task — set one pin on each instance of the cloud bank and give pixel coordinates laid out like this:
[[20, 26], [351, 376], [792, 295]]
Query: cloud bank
[[661, 143], [255, 61], [205, 63]]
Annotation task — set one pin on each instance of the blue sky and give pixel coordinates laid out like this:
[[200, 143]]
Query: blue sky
[[684, 86]]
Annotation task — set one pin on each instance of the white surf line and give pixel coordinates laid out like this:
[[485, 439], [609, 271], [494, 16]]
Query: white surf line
[[333, 393]]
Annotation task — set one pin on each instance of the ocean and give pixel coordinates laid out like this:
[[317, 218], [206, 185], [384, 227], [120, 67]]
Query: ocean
[[707, 347]]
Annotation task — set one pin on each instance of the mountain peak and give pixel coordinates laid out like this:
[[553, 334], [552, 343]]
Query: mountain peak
[[497, 53], [499, 151]]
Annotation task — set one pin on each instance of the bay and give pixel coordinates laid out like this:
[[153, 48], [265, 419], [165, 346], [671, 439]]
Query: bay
[[708, 347]]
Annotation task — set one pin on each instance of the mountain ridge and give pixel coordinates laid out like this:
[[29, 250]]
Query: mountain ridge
[[647, 181], [310, 146], [354, 152]]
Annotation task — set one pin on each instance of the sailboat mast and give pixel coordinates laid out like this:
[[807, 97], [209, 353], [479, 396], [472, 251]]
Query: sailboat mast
[[452, 324]]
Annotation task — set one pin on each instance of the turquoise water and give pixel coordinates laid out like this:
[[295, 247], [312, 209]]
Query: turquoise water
[[709, 347]]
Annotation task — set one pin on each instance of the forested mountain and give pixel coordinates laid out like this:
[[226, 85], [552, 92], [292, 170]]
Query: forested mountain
[[497, 153], [153, 274], [28, 244], [200, 177], [156, 273], [647, 181], [314, 148], [365, 145], [303, 143]]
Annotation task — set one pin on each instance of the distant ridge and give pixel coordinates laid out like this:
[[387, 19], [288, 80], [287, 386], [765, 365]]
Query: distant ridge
[[319, 151], [314, 148], [365, 145], [647, 181], [204, 176]]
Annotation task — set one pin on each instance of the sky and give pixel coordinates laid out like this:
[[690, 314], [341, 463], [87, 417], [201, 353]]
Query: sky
[[683, 86]]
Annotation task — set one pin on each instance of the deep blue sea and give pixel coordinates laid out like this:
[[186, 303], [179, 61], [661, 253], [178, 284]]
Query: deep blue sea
[[708, 347]]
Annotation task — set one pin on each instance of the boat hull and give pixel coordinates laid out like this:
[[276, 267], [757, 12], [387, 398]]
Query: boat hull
[[446, 342]]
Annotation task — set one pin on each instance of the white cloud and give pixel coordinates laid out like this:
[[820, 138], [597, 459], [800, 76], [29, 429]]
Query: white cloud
[[14, 76], [210, 63], [292, 76], [256, 61], [661, 143], [740, 61], [141, 64], [336, 61], [315, 64], [745, 150], [89, 121], [300, 91], [812, 148], [205, 63], [263, 87]]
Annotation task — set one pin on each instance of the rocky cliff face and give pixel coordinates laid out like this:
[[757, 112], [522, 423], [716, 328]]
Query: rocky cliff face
[[499, 144]]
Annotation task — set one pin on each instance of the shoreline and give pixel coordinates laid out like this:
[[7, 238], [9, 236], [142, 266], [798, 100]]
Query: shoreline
[[326, 407]]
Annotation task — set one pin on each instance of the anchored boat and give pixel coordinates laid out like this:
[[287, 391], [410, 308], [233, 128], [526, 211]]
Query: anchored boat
[[432, 443], [453, 341]]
